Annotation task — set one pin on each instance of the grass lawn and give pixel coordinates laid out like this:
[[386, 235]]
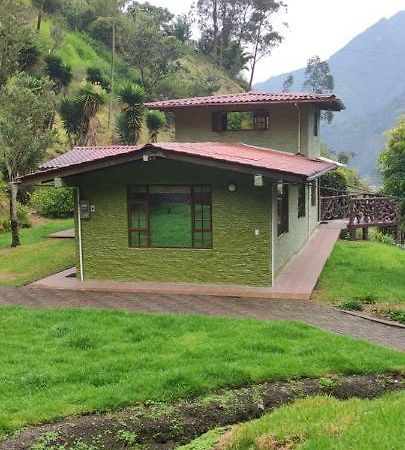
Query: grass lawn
[[363, 271], [38, 255], [56, 363], [322, 423]]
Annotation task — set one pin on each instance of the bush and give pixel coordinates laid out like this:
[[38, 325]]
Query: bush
[[353, 305], [398, 316], [384, 237], [53, 202], [23, 218]]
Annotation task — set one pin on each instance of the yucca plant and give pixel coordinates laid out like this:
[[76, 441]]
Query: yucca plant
[[130, 121], [92, 98], [155, 120]]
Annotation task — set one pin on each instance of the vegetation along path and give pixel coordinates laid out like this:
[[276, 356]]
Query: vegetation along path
[[158, 426], [325, 317]]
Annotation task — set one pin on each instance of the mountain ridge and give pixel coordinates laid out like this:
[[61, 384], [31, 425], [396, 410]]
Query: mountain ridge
[[369, 79]]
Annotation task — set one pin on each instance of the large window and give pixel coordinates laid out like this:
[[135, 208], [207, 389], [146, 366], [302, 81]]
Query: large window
[[240, 121], [170, 216], [282, 209], [301, 200]]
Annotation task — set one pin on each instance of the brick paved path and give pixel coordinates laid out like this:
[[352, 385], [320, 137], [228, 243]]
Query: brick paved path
[[321, 316]]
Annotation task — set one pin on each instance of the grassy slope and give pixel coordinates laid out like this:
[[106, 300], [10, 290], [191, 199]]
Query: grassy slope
[[60, 362], [363, 270], [321, 423], [38, 256]]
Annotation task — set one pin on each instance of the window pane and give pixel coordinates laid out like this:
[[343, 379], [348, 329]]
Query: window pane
[[237, 121], [139, 239], [138, 215], [170, 216]]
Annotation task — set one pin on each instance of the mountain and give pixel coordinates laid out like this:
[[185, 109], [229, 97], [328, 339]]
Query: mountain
[[369, 77]]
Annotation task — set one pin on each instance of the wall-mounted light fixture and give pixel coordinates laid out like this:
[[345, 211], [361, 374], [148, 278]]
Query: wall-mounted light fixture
[[232, 187], [258, 180]]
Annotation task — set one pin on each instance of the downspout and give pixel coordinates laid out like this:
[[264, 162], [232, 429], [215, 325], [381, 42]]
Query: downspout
[[299, 129], [308, 198], [79, 229]]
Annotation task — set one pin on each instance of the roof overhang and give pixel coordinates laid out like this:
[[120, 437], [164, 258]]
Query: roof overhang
[[158, 151]]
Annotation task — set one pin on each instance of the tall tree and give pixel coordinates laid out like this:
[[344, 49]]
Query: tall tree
[[45, 6], [319, 80], [148, 45], [392, 163], [14, 34], [26, 104], [287, 83]]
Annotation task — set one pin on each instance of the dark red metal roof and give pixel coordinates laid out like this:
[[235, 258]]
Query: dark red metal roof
[[233, 154], [248, 98]]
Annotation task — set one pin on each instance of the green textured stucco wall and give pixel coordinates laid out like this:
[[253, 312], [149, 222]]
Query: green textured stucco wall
[[300, 228], [194, 125], [238, 255]]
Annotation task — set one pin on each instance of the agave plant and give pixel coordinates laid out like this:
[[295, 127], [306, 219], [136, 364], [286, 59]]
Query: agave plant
[[130, 121], [155, 120]]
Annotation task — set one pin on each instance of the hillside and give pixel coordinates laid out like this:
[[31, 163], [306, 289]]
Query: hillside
[[194, 74], [369, 77]]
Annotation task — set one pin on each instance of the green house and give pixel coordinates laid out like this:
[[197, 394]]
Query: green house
[[229, 202]]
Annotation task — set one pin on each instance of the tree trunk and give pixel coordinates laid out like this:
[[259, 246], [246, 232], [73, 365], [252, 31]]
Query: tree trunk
[[40, 15], [15, 234], [215, 29], [113, 45]]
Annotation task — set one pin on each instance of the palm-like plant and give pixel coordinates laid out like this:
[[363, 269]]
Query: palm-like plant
[[155, 120], [130, 121], [92, 98]]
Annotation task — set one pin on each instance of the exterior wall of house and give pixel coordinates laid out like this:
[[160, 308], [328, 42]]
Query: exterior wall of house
[[300, 228], [238, 255], [195, 125]]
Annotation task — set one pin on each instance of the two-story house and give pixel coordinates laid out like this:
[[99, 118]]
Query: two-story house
[[229, 202]]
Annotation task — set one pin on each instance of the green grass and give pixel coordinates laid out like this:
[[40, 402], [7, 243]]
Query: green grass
[[363, 271], [56, 363], [324, 423], [38, 256]]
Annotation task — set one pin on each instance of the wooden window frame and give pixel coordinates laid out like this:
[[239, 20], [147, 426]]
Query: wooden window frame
[[219, 121], [301, 200], [283, 217], [204, 230]]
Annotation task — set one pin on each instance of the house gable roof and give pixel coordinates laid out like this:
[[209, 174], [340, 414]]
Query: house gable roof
[[236, 157], [327, 102]]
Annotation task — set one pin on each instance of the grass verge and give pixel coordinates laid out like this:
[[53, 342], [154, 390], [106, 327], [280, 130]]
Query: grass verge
[[324, 423], [364, 271], [38, 256], [62, 362]]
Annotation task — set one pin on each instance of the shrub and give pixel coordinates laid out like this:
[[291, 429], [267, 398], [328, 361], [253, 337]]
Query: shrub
[[385, 238], [353, 305], [53, 202], [398, 316], [22, 214]]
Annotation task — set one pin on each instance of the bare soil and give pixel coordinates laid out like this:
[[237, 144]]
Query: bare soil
[[158, 426]]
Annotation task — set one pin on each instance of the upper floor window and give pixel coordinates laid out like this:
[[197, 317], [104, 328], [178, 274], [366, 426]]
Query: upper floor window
[[240, 121], [170, 216], [301, 200], [282, 209]]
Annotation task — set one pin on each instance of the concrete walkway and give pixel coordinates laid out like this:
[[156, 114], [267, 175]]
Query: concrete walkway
[[324, 317], [297, 280]]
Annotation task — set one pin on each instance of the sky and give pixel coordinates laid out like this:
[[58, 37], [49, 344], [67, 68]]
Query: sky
[[315, 27]]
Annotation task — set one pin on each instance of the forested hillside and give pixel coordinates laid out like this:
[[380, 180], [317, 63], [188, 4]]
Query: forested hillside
[[369, 77]]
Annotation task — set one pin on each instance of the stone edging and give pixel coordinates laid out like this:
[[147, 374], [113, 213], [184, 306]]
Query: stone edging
[[372, 319]]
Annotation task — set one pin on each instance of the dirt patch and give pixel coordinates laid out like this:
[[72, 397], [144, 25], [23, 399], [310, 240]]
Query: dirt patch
[[159, 426]]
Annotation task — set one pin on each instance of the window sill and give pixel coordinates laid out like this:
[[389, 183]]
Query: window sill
[[170, 249]]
